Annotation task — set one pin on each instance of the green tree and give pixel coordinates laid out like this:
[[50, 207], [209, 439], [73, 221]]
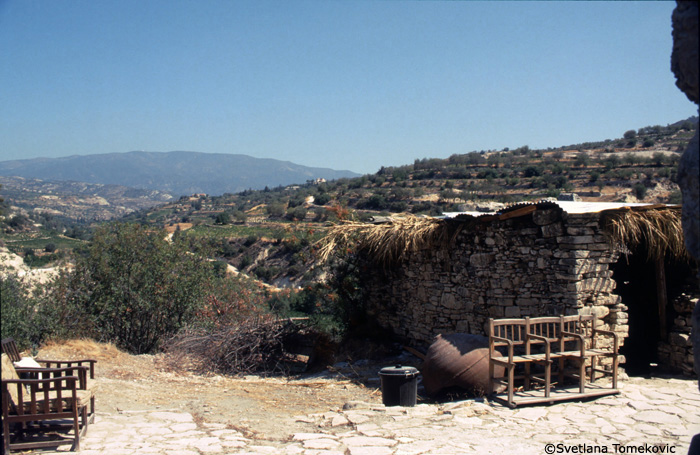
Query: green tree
[[630, 134], [658, 158], [240, 216], [630, 159], [135, 288], [322, 199], [582, 159], [275, 210], [222, 218], [297, 213], [639, 190], [532, 171]]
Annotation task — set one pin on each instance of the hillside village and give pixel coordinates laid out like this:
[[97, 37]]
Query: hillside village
[[267, 233]]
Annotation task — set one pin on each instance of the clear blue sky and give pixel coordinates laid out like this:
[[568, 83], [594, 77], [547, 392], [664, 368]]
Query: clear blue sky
[[342, 84]]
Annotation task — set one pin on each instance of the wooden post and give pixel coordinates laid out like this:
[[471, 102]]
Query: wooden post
[[661, 298]]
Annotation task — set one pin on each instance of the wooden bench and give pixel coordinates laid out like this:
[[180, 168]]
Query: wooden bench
[[533, 351]]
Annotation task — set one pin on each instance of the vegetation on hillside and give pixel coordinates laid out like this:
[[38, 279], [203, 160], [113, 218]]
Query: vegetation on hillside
[[213, 264]]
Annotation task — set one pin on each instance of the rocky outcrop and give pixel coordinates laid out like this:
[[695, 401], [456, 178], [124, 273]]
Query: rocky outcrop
[[684, 64], [684, 58]]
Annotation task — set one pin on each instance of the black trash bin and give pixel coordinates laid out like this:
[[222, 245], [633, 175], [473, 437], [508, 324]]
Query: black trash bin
[[399, 385]]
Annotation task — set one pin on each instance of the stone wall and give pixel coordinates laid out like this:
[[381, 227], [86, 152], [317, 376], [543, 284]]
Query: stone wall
[[676, 353], [544, 263]]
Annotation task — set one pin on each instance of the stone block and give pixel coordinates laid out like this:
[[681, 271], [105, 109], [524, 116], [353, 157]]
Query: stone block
[[481, 259], [679, 339], [579, 231], [512, 312], [496, 311]]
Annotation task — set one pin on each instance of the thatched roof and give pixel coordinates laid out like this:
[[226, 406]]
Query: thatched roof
[[386, 242], [657, 227]]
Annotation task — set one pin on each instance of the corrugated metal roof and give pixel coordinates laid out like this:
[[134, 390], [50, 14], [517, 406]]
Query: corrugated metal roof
[[572, 207]]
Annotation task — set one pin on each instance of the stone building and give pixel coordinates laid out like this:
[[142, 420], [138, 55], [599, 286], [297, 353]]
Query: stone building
[[624, 262]]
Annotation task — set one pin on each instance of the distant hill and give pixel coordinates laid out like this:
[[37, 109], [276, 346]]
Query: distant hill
[[74, 201], [177, 173]]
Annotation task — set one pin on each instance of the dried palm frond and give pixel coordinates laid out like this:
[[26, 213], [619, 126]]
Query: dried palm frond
[[387, 242], [660, 230]]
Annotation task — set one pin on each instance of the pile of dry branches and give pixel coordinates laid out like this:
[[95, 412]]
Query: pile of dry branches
[[659, 229], [252, 346], [385, 243]]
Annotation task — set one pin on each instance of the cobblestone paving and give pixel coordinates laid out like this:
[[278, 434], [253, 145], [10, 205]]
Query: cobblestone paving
[[649, 416]]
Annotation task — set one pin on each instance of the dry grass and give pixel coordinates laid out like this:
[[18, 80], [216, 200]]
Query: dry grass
[[660, 230], [385, 243], [82, 349]]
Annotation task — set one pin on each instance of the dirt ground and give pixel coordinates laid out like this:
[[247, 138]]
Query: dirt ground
[[263, 407]]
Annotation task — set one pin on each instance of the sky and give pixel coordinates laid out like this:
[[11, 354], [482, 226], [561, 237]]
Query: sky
[[343, 84]]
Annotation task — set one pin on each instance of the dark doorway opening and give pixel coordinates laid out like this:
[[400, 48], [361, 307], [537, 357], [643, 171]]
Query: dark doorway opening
[[639, 285]]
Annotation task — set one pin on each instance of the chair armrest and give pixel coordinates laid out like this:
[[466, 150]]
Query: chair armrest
[[580, 338], [79, 372], [572, 334], [547, 345], [502, 340], [70, 363], [68, 379]]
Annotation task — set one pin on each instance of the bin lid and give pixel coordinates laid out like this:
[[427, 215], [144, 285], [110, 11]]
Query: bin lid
[[398, 370]]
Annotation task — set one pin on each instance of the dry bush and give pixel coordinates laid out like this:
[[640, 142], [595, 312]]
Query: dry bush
[[255, 345]]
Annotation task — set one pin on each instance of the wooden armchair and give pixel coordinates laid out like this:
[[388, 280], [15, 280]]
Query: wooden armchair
[[51, 390], [9, 347], [45, 412]]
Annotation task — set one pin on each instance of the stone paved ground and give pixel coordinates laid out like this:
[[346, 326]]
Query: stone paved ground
[[658, 412]]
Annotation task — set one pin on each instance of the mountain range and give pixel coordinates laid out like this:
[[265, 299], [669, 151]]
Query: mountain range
[[177, 173]]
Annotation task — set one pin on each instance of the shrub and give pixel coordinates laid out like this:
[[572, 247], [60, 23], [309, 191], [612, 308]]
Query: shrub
[[275, 210], [135, 288], [245, 262], [658, 158], [18, 312], [676, 197], [222, 218], [582, 159], [296, 213], [19, 221], [322, 199], [32, 314], [640, 191], [239, 216], [532, 171]]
